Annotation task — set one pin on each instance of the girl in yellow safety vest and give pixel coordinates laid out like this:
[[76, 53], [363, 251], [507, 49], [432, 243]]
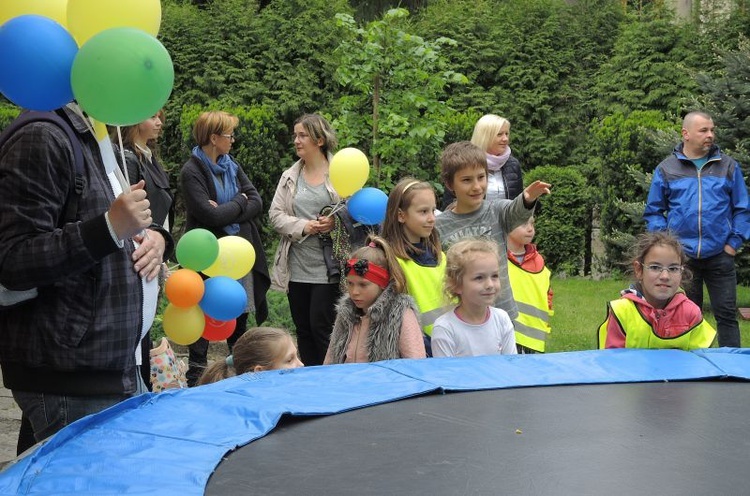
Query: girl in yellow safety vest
[[409, 227], [655, 312]]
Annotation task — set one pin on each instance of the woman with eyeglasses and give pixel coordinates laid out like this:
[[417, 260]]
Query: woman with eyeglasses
[[219, 197], [655, 312], [299, 267]]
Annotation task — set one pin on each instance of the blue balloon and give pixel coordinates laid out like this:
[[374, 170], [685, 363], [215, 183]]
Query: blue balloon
[[36, 57], [368, 206], [223, 299]]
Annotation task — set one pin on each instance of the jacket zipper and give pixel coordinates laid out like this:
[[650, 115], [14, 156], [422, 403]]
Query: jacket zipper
[[700, 213]]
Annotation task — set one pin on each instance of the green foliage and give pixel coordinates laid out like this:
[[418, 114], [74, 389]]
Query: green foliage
[[532, 62], [8, 112], [623, 150], [650, 67], [392, 107], [563, 223], [293, 55], [228, 54]]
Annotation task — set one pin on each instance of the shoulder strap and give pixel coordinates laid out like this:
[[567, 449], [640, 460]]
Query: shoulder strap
[[29, 116]]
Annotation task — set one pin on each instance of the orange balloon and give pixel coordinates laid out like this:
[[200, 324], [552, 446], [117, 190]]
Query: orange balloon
[[184, 288]]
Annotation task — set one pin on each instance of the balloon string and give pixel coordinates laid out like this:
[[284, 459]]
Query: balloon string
[[336, 207], [122, 157], [123, 175]]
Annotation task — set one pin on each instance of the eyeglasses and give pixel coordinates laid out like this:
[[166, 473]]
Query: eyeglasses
[[301, 136], [657, 269], [229, 136]]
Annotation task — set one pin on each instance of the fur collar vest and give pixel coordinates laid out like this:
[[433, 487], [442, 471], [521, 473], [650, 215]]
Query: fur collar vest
[[386, 316]]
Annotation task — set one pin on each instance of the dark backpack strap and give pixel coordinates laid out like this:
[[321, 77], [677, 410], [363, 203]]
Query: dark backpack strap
[[29, 116]]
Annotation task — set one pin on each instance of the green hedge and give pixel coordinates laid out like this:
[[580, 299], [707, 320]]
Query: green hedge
[[563, 219]]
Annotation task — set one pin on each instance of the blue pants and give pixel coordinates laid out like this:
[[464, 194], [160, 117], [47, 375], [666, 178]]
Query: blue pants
[[48, 413], [720, 275]]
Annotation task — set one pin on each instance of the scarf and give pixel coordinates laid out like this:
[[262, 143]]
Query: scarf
[[224, 172], [496, 162]]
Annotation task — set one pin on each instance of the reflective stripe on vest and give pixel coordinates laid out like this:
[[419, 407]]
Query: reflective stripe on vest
[[425, 285], [530, 291], [640, 334]]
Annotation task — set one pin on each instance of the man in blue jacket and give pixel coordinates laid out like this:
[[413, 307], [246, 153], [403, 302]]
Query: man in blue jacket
[[699, 194]]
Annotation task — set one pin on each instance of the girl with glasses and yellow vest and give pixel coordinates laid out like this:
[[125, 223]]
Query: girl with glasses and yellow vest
[[655, 312]]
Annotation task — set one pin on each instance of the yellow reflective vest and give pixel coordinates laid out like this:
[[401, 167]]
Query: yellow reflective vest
[[425, 285], [639, 332], [530, 291]]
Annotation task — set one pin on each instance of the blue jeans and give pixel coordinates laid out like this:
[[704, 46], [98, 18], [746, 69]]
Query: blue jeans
[[720, 275], [48, 413]]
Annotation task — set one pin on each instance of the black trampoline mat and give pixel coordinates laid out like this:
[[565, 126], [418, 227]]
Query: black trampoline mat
[[682, 438]]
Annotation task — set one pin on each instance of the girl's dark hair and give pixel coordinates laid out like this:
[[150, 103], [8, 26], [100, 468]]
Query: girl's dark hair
[[258, 346], [646, 241]]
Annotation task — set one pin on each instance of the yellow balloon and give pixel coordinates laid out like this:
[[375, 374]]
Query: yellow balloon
[[183, 325], [236, 258], [89, 17], [54, 9], [349, 170]]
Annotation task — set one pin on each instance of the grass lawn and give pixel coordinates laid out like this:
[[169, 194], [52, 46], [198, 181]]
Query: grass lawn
[[580, 306]]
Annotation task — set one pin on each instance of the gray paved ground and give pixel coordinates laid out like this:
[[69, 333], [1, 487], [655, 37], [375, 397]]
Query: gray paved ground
[[10, 420]]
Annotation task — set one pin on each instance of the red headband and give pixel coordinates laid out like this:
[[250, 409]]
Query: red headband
[[370, 271]]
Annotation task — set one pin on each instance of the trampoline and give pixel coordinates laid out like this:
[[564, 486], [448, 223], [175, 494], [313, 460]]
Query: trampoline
[[596, 422]]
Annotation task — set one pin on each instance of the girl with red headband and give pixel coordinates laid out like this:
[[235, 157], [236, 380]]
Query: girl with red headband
[[376, 320]]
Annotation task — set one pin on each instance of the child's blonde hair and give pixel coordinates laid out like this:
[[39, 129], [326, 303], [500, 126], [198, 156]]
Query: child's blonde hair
[[459, 156], [458, 256], [378, 251], [258, 346], [401, 198]]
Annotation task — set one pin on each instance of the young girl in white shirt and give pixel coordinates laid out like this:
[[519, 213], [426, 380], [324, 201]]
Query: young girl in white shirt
[[475, 327]]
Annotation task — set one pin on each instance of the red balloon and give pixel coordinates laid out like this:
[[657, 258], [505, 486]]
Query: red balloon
[[218, 330]]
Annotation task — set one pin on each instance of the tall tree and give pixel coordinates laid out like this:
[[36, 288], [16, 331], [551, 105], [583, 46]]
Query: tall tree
[[393, 86]]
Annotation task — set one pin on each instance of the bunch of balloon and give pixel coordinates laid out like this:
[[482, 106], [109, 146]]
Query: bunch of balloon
[[183, 319], [121, 74], [225, 297], [206, 305], [349, 170]]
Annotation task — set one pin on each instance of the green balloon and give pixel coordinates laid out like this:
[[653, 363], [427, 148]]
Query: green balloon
[[197, 249], [122, 76]]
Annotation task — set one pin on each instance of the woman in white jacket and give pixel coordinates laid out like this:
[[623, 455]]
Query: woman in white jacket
[[299, 266]]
